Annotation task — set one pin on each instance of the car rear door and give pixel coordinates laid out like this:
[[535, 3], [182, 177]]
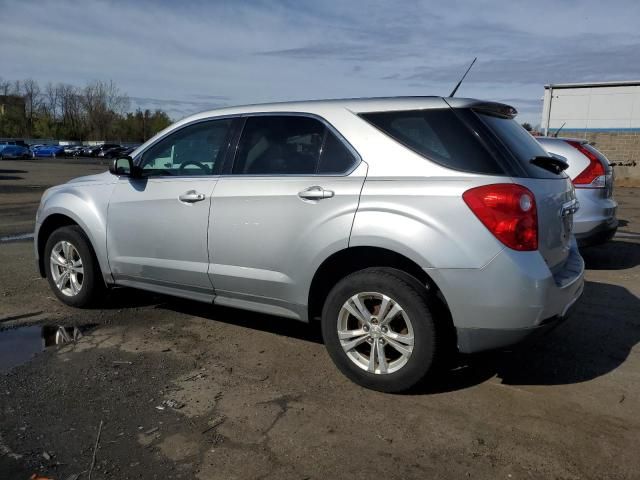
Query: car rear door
[[284, 205], [157, 224]]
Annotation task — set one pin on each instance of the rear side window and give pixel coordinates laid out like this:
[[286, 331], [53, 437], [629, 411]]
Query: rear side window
[[279, 145], [438, 135], [519, 143], [335, 158]]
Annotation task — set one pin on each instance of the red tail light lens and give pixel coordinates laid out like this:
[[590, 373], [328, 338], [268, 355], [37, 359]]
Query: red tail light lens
[[508, 211], [594, 176]]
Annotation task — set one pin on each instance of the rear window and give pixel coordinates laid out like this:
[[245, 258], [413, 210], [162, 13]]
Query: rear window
[[465, 140], [439, 135], [519, 143]]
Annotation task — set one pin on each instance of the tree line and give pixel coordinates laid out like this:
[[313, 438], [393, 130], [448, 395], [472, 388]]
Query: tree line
[[97, 111]]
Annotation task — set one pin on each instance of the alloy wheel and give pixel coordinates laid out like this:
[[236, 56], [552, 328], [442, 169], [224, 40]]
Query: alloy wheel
[[66, 268], [375, 332]]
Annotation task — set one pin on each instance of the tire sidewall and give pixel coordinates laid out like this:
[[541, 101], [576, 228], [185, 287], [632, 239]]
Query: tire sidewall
[[415, 305], [77, 238]]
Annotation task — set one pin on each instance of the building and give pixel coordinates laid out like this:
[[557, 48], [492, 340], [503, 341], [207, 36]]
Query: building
[[606, 114]]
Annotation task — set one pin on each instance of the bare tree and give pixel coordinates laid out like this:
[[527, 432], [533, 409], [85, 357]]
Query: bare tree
[[31, 94]]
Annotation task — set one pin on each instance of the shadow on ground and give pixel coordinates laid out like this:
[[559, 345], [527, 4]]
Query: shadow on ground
[[596, 340], [614, 255], [4, 174]]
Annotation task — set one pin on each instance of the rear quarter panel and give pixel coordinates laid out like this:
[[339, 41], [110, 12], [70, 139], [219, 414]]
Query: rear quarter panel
[[426, 220]]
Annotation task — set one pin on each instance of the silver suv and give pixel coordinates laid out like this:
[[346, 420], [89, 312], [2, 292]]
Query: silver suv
[[407, 226], [592, 175]]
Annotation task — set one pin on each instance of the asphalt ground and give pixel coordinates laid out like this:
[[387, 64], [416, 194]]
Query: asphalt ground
[[255, 396]]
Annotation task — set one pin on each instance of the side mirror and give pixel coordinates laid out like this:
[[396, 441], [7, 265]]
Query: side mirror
[[123, 167]]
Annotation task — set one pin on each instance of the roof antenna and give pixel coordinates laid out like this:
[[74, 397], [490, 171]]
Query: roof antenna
[[461, 80], [558, 130]]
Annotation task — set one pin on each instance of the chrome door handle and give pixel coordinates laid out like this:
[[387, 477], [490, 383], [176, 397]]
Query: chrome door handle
[[315, 193], [191, 197]]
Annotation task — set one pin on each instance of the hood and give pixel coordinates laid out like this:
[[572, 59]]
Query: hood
[[104, 177]]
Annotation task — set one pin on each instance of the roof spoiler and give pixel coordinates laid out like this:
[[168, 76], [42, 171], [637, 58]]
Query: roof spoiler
[[490, 108], [497, 109]]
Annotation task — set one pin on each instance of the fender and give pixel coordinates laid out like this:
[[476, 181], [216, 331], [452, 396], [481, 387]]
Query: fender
[[89, 211]]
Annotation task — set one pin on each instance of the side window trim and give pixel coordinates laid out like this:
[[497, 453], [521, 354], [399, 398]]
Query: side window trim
[[233, 150], [217, 169]]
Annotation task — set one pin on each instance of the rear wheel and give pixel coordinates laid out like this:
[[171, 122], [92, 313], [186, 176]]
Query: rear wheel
[[73, 272], [379, 330]]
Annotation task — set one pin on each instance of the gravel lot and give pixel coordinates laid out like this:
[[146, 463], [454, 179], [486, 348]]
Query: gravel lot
[[258, 396]]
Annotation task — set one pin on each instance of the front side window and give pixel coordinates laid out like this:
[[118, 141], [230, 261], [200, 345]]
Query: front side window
[[279, 145], [197, 149]]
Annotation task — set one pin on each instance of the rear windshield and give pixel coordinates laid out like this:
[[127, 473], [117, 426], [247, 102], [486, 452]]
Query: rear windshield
[[439, 135], [519, 143], [465, 140]]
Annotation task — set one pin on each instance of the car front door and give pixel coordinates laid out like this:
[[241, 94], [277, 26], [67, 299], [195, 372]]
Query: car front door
[[157, 224], [287, 202]]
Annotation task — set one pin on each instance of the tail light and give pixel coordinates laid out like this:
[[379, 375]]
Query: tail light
[[509, 213], [594, 176]]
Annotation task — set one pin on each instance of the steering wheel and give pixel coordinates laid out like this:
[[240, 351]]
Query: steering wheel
[[200, 165]]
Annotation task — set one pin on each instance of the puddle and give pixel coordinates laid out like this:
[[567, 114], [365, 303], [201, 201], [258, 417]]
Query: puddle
[[19, 345]]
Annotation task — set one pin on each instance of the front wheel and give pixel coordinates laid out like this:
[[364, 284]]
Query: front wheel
[[73, 271], [379, 330]]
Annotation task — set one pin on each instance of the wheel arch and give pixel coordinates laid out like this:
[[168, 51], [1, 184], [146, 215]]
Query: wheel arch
[[352, 259], [49, 225]]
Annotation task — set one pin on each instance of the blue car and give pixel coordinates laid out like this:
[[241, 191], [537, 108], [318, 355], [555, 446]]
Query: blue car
[[49, 151], [15, 152]]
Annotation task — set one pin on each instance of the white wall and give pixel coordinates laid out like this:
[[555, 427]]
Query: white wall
[[592, 108]]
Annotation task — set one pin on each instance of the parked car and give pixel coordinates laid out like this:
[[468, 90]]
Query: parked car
[[117, 152], [99, 151], [15, 152], [127, 151], [70, 150], [87, 150], [49, 151], [397, 223], [77, 151], [595, 222], [112, 152]]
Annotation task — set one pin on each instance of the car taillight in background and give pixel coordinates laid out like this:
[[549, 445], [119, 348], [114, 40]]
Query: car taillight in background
[[509, 213], [595, 175]]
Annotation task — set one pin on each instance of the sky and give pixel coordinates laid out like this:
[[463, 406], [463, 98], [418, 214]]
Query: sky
[[189, 56]]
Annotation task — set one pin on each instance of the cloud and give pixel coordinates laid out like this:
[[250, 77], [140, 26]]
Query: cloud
[[191, 55]]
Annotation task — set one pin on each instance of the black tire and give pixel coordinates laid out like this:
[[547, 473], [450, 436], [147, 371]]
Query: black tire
[[415, 302], [93, 287]]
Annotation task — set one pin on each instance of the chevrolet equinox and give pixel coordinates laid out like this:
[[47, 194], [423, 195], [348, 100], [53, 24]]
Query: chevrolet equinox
[[407, 226]]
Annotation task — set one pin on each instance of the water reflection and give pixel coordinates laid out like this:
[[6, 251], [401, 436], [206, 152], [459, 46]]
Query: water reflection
[[19, 345]]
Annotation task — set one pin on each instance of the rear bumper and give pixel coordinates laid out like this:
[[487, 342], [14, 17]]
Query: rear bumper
[[513, 297], [480, 339], [599, 234], [595, 222]]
